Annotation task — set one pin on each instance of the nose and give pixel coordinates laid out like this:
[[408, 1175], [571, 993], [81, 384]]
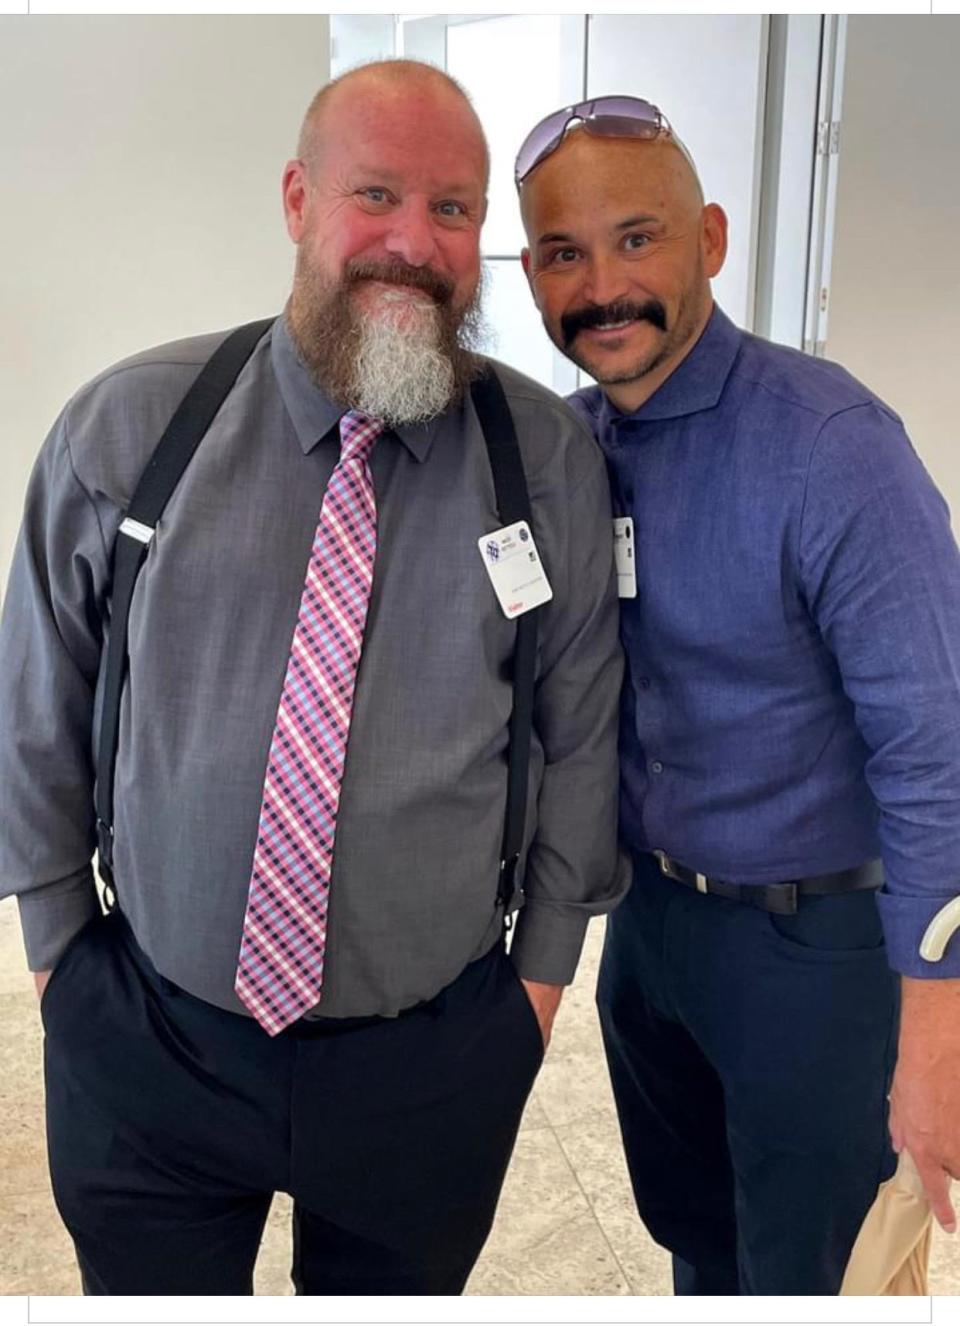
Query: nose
[[412, 235], [605, 280]]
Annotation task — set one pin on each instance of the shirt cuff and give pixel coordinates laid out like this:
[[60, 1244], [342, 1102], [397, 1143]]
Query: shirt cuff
[[905, 918], [547, 941], [50, 916]]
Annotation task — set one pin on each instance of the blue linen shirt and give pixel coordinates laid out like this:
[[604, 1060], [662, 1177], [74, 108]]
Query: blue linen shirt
[[792, 703]]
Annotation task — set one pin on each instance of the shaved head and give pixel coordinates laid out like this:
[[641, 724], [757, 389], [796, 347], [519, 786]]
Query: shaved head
[[663, 159], [386, 81]]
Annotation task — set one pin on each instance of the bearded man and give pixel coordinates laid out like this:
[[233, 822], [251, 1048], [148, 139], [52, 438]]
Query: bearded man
[[303, 985]]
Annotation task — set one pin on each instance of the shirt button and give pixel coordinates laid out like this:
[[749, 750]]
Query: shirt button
[[656, 767], [644, 683]]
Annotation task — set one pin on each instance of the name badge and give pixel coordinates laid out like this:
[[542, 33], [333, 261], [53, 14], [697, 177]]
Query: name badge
[[515, 570], [624, 557]]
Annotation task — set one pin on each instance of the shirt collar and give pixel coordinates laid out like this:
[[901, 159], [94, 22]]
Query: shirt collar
[[696, 383], [313, 414]]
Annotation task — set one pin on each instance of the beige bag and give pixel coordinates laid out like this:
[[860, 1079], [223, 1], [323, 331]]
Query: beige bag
[[892, 1251]]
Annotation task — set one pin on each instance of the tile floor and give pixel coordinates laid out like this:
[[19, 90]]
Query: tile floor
[[566, 1223]]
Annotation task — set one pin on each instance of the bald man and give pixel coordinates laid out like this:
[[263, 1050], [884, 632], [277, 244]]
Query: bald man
[[303, 984], [790, 735]]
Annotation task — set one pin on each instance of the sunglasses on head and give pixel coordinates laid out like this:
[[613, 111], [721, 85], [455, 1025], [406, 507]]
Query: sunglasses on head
[[606, 117]]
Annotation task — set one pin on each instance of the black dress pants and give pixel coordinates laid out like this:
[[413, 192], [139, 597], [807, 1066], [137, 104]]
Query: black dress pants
[[171, 1124], [750, 1057]]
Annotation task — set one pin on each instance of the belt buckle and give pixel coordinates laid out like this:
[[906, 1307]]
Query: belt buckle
[[667, 868], [664, 862], [785, 898]]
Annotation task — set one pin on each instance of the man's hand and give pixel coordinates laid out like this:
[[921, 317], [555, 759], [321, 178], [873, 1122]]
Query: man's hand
[[40, 979], [925, 1100], [545, 1000]]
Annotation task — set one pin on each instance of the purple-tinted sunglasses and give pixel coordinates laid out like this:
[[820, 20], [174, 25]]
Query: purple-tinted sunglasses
[[607, 117]]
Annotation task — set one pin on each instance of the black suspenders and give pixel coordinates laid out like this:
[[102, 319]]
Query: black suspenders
[[513, 504], [173, 453]]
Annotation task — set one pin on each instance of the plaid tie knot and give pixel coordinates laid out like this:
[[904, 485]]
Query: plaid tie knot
[[358, 432]]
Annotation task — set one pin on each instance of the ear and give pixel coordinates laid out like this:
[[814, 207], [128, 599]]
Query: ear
[[714, 238], [294, 189], [525, 264]]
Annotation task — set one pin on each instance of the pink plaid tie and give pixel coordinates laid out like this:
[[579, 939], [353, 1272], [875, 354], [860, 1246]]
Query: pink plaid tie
[[280, 969]]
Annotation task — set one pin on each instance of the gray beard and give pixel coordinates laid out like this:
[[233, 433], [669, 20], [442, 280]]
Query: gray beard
[[404, 362], [401, 374]]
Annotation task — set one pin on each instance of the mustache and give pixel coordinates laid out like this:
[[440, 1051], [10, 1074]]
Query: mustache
[[621, 310], [395, 271]]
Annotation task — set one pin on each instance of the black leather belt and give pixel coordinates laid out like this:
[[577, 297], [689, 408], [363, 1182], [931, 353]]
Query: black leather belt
[[779, 898]]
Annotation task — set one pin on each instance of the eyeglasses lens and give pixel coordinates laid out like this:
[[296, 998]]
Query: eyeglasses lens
[[607, 117], [541, 141]]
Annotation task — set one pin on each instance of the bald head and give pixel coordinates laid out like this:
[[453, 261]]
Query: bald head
[[661, 165], [384, 84]]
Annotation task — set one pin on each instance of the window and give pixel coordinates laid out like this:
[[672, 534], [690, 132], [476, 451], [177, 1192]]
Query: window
[[741, 91]]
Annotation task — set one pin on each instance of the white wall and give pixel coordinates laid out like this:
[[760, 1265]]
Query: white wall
[[139, 196], [357, 38], [706, 72], [895, 289]]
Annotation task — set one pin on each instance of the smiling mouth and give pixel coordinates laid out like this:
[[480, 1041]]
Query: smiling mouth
[[397, 292], [606, 328]]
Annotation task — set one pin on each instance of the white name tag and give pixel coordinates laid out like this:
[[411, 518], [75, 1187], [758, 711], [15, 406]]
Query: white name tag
[[624, 557], [515, 570]]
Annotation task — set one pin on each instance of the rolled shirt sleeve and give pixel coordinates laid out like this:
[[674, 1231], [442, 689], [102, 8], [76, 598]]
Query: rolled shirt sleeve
[[574, 869], [881, 572], [50, 642]]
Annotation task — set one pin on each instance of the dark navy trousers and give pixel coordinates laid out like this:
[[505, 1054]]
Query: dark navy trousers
[[171, 1124], [751, 1056]]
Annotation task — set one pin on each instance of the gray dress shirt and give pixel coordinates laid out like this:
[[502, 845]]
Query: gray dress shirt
[[412, 897]]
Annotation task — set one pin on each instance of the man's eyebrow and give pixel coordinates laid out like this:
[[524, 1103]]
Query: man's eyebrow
[[560, 236], [387, 176], [369, 168], [642, 219]]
